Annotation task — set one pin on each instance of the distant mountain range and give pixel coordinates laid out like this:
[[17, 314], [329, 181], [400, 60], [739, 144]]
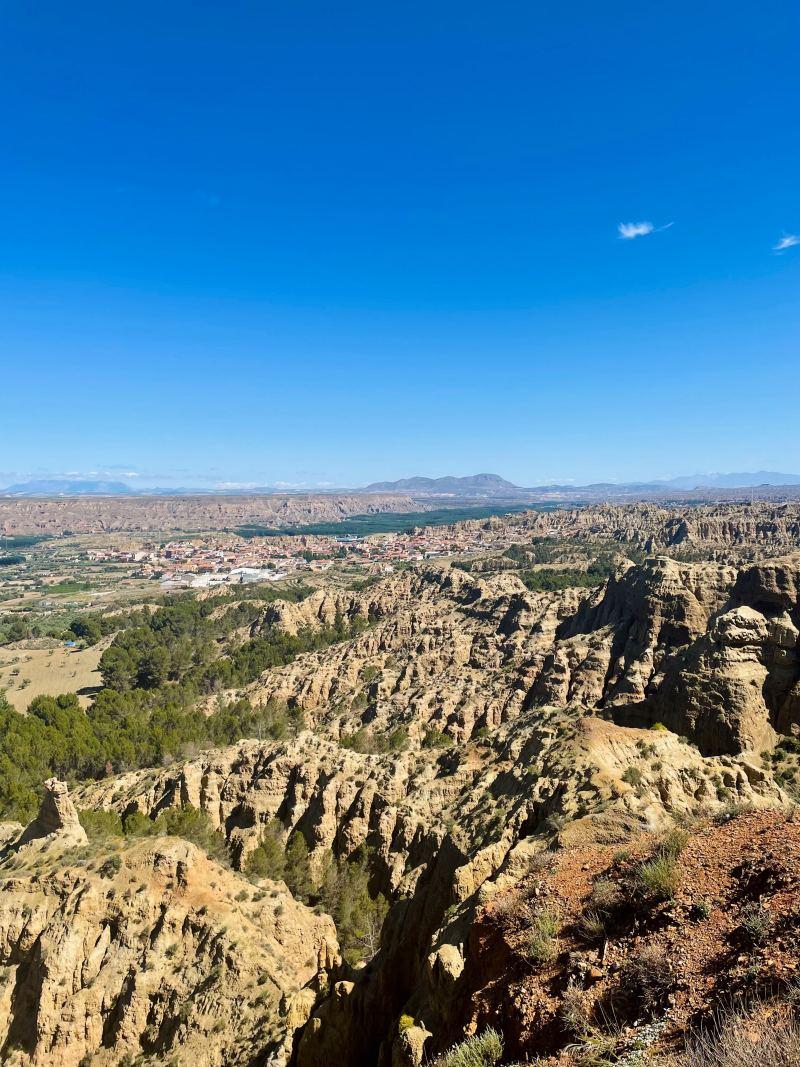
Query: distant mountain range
[[482, 487], [65, 487], [486, 486], [473, 485], [742, 480]]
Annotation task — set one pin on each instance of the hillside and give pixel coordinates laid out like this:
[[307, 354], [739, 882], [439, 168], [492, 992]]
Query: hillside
[[560, 809], [107, 514]]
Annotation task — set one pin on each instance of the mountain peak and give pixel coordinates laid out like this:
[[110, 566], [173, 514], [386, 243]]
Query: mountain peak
[[449, 485]]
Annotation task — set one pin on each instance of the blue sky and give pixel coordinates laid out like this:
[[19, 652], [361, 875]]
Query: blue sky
[[324, 244]]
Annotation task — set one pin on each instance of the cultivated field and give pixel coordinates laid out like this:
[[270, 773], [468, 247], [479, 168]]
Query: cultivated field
[[27, 670]]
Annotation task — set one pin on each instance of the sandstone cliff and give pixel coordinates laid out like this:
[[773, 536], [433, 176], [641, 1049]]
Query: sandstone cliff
[[149, 949]]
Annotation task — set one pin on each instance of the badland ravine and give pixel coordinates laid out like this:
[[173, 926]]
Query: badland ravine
[[540, 801]]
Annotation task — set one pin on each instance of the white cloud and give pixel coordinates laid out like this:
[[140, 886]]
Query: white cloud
[[628, 231], [789, 240]]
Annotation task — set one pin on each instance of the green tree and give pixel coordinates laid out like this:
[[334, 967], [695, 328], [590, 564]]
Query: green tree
[[298, 868], [86, 628], [269, 859], [118, 669], [359, 916], [154, 668]]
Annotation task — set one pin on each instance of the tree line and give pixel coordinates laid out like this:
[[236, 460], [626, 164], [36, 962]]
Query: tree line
[[154, 673]]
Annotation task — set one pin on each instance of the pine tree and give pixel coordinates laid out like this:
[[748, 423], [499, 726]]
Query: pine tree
[[269, 859], [298, 868]]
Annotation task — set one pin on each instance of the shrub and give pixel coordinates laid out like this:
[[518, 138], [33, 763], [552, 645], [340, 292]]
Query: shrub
[[138, 825], [658, 877], [365, 741], [484, 1050], [112, 866], [100, 824], [756, 923], [268, 860], [591, 926], [633, 776], [606, 896], [398, 739], [436, 739], [597, 1048], [647, 976], [574, 1011], [405, 1022], [674, 842], [701, 909], [195, 826], [540, 942]]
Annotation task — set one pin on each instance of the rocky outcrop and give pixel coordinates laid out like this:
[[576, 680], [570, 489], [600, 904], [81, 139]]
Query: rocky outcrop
[[113, 952], [735, 531], [709, 651], [57, 818], [468, 732], [444, 832]]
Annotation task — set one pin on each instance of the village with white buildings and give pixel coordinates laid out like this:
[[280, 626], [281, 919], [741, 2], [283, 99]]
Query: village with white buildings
[[214, 560]]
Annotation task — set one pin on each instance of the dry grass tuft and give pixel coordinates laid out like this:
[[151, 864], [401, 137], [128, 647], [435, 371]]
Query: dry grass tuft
[[753, 1040], [484, 1050], [540, 941]]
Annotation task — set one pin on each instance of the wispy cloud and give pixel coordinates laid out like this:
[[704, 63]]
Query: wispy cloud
[[789, 240], [629, 231]]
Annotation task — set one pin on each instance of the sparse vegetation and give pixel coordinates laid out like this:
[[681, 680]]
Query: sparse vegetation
[[756, 923], [658, 878], [484, 1050], [646, 977], [759, 1038], [540, 941]]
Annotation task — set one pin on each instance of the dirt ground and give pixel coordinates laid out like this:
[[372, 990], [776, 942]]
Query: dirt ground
[[52, 670], [731, 931]]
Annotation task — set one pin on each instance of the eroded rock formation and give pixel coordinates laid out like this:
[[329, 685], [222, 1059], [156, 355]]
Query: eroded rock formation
[[469, 729], [110, 951]]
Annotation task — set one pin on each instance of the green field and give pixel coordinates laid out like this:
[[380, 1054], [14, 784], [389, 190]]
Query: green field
[[391, 522], [14, 541]]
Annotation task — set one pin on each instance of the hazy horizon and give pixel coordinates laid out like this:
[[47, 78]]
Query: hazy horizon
[[141, 484]]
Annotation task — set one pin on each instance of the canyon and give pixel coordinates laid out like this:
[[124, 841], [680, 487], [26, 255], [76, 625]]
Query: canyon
[[488, 750]]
